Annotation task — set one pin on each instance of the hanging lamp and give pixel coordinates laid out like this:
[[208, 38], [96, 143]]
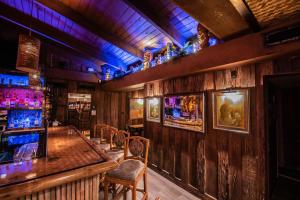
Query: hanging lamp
[[28, 51]]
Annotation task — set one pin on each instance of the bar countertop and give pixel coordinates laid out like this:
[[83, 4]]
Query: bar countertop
[[67, 150]]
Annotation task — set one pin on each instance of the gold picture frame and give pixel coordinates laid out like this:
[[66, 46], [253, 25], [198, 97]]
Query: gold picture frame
[[185, 112], [153, 109], [231, 110], [136, 108]]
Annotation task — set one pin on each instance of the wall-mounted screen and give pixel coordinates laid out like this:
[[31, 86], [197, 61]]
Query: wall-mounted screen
[[153, 109], [185, 112], [136, 108]]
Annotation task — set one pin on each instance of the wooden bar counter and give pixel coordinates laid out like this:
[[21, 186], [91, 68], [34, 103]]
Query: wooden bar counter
[[72, 169]]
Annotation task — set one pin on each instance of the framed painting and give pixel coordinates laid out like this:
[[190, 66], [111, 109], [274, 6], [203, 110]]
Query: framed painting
[[185, 111], [231, 110], [136, 108], [153, 109]]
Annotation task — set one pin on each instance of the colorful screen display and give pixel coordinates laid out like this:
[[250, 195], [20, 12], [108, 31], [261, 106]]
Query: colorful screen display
[[24, 119], [185, 112], [21, 98]]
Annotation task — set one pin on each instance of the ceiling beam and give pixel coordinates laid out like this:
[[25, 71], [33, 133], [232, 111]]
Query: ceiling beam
[[218, 16], [244, 10], [160, 23], [91, 26], [19, 18]]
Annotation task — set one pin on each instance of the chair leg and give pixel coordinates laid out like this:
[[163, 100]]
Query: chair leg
[[134, 192], [106, 184], [114, 190], [124, 193], [145, 182]]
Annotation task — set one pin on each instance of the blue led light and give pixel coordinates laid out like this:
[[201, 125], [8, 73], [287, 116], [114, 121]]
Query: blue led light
[[212, 41], [90, 69], [23, 139], [14, 80]]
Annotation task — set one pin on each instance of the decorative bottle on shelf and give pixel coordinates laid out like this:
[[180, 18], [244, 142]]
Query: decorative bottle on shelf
[[26, 101], [169, 51], [202, 34], [147, 59]]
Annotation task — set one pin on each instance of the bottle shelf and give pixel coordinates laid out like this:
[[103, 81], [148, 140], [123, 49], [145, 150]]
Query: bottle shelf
[[22, 130]]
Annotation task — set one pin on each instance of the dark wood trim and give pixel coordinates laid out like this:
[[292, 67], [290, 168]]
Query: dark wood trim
[[242, 7], [55, 73], [245, 50], [14, 191], [79, 19], [218, 16], [17, 17], [160, 23]]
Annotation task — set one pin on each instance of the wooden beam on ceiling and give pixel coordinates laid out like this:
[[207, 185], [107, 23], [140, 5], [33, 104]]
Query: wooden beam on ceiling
[[160, 23], [91, 26], [19, 18], [55, 73], [218, 16], [244, 10]]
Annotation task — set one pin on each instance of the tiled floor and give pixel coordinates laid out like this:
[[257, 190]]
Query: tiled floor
[[163, 188]]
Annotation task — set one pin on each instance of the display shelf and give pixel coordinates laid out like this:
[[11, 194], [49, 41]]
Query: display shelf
[[22, 131]]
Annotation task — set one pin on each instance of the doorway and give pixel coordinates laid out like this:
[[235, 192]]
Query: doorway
[[282, 98]]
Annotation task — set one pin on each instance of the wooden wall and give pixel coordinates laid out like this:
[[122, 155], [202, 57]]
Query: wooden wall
[[113, 108], [222, 164]]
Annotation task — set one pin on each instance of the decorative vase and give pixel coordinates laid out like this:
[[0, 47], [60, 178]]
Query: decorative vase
[[203, 36]]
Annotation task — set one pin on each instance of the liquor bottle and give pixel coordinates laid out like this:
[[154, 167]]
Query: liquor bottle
[[26, 101], [7, 100]]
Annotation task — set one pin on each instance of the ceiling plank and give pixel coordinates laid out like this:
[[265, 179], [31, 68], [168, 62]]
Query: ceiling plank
[[91, 26], [17, 17], [160, 23], [246, 13], [218, 16]]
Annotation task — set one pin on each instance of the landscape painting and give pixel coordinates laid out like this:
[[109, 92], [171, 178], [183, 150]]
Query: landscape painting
[[231, 110], [136, 108], [153, 109], [186, 112]]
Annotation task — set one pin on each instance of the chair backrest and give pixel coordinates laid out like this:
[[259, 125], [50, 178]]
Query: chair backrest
[[118, 139], [138, 147], [106, 134], [97, 129]]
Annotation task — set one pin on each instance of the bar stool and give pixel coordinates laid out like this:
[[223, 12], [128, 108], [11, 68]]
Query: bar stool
[[131, 170], [117, 145]]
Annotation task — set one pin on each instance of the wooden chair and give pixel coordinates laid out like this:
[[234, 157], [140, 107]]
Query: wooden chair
[[117, 145], [97, 129], [131, 170]]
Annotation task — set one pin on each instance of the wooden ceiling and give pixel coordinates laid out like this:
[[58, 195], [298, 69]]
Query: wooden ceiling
[[117, 31]]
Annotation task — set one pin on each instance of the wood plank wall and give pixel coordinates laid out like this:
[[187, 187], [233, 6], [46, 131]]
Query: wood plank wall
[[222, 164], [83, 189], [113, 108]]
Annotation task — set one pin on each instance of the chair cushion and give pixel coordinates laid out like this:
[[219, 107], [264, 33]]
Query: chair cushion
[[116, 154], [105, 147], [127, 170]]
